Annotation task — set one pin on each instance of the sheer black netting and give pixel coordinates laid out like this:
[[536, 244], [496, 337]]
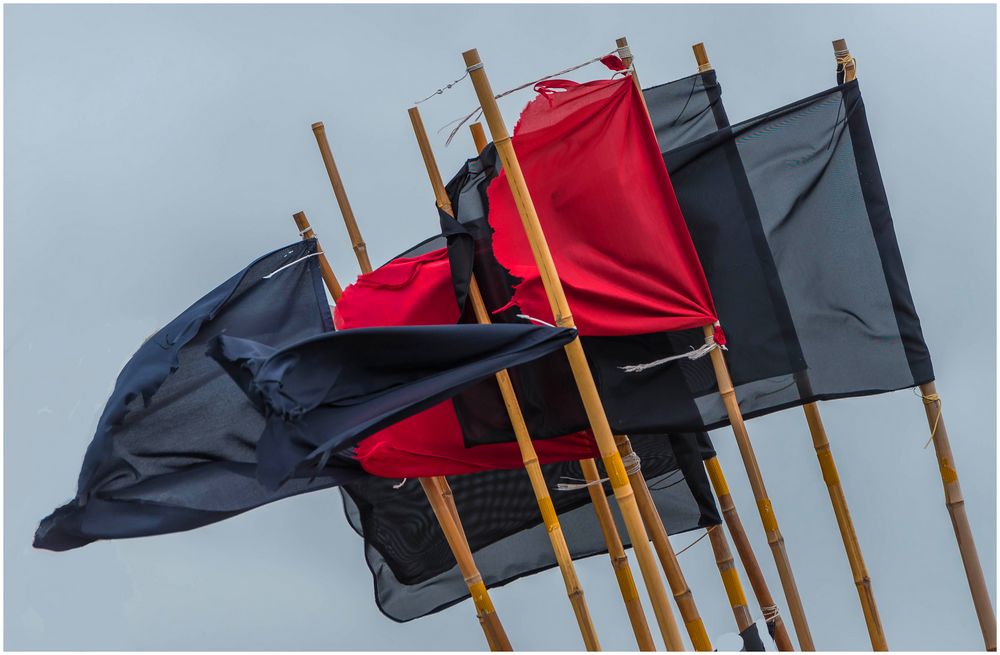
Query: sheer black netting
[[176, 446], [789, 217], [414, 571]]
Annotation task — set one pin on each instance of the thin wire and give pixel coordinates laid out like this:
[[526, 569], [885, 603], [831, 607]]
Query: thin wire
[[462, 121]]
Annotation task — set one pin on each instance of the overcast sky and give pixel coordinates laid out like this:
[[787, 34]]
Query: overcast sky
[[152, 151]]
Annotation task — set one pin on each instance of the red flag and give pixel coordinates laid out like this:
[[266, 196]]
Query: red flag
[[601, 190], [419, 291]]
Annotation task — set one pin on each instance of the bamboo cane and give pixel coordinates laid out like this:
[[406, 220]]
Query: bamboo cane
[[439, 495], [747, 557], [828, 467], [664, 549], [730, 577], [959, 520], [341, 194], [767, 517], [528, 455], [846, 72], [746, 449], [859, 571], [616, 551], [720, 545], [478, 136], [574, 350]]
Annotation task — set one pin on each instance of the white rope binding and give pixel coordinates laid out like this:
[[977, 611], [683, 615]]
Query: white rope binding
[[300, 259], [698, 353], [632, 466], [536, 321]]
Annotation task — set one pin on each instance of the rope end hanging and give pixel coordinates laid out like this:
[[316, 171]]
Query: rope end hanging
[[696, 353]]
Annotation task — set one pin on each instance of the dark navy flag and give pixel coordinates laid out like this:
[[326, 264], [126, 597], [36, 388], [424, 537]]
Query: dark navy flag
[[175, 448], [323, 395]]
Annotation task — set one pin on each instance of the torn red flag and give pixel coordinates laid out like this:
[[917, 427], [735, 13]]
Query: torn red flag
[[609, 213]]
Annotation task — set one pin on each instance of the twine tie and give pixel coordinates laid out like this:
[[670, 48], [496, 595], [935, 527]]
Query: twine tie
[[930, 399]]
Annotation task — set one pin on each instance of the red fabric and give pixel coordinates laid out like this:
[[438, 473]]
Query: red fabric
[[609, 213], [406, 291], [419, 291]]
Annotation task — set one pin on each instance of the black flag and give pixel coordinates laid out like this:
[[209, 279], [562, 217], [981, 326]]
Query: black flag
[[175, 448]]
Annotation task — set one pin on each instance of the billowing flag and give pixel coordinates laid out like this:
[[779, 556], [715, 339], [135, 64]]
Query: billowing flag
[[413, 568], [416, 289], [175, 448], [324, 394], [782, 268], [604, 200]]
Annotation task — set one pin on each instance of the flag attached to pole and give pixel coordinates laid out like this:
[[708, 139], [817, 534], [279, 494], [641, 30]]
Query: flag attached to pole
[[175, 448]]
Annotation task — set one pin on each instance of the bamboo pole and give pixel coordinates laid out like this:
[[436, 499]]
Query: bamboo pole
[[439, 496], [955, 502], [859, 571], [774, 537], [574, 350], [528, 455], [838, 499], [616, 550], [341, 194], [764, 507], [664, 549], [720, 545], [478, 136], [730, 577], [747, 557], [959, 520]]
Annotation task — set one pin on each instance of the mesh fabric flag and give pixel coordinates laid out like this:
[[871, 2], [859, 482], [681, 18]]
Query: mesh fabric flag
[[414, 571], [175, 448], [798, 193]]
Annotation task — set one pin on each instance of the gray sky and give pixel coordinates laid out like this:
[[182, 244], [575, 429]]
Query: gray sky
[[151, 151]]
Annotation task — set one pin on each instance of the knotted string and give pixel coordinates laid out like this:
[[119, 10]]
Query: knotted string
[[632, 465], [930, 399], [710, 345]]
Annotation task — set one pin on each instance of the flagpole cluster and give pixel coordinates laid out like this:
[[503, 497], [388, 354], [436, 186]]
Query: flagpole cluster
[[393, 383]]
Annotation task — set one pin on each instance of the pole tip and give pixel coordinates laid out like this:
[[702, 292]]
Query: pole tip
[[471, 57], [621, 42], [840, 47], [701, 56], [317, 126]]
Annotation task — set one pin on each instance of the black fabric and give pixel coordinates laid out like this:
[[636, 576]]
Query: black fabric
[[324, 394], [413, 569], [175, 448], [686, 109], [752, 643], [790, 220]]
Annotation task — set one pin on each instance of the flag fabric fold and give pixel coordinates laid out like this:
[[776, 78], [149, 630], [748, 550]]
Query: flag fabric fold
[[323, 395], [175, 447]]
